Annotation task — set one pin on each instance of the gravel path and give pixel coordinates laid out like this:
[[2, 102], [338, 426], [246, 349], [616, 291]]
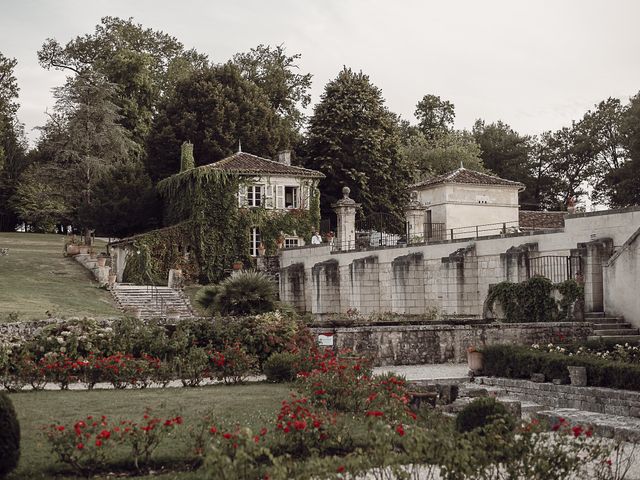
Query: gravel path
[[427, 372]]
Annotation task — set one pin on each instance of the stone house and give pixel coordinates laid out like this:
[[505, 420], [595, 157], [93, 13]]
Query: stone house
[[452, 202], [221, 213]]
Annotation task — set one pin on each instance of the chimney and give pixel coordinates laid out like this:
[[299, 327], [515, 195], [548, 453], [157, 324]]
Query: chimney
[[187, 162], [284, 157]]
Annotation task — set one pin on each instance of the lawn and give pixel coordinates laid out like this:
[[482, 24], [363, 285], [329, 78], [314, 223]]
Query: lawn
[[252, 405], [35, 278]]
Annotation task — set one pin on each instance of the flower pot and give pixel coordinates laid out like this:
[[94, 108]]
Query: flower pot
[[73, 249], [475, 361], [102, 261], [578, 376]]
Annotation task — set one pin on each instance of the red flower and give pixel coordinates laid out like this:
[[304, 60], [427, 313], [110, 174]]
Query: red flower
[[577, 430], [375, 413], [105, 434], [588, 433], [168, 423], [400, 430], [178, 420], [98, 443], [340, 469], [80, 446], [556, 427], [299, 424], [263, 431], [227, 436], [316, 424], [60, 428], [213, 430]]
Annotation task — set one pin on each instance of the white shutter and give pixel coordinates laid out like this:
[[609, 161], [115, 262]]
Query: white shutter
[[280, 197], [268, 196], [242, 196], [304, 197]]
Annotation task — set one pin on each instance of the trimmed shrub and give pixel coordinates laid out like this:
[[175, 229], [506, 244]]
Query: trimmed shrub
[[244, 293], [9, 436], [520, 362], [481, 413], [281, 367]]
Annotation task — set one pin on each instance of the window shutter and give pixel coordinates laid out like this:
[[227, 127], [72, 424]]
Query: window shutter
[[242, 196], [280, 197], [304, 197], [268, 202]]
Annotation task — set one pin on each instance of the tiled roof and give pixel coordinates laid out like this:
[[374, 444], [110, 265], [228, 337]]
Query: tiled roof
[[535, 219], [247, 164], [462, 175]]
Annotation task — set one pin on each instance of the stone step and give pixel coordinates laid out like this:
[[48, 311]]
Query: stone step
[[603, 320], [594, 314], [616, 331], [607, 326], [604, 425], [616, 338]]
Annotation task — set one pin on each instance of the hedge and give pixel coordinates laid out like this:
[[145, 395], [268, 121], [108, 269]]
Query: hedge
[[520, 362]]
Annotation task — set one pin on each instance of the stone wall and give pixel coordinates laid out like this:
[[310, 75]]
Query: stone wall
[[451, 277], [419, 344], [592, 399], [621, 275]]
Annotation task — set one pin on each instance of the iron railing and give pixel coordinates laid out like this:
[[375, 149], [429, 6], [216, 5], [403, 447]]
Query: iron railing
[[387, 231], [556, 268]]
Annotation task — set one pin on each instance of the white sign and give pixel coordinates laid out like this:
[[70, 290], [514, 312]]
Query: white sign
[[325, 340]]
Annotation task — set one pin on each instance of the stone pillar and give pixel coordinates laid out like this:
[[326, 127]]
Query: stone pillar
[[594, 254], [415, 218], [345, 209]]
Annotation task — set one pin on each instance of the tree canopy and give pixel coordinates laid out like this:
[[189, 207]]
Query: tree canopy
[[354, 140]]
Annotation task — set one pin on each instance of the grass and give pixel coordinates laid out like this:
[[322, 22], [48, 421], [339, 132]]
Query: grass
[[35, 278], [253, 405]]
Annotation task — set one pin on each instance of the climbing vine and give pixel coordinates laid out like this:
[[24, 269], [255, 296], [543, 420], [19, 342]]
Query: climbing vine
[[533, 300], [205, 201]]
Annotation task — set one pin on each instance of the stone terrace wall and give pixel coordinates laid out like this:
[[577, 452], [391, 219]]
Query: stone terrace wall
[[591, 399], [452, 277], [418, 344]]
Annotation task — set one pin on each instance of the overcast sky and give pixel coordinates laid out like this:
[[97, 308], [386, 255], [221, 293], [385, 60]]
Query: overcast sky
[[536, 65]]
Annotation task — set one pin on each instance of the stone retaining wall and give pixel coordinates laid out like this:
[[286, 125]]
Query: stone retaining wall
[[419, 344], [592, 399]]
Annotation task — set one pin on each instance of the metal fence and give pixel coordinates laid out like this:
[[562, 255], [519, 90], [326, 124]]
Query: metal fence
[[556, 268]]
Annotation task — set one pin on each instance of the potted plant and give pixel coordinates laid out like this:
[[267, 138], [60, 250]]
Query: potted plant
[[102, 260], [475, 359]]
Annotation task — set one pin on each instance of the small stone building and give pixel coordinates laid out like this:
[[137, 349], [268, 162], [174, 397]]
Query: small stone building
[[465, 198]]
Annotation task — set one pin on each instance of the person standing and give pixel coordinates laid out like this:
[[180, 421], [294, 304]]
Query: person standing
[[316, 239]]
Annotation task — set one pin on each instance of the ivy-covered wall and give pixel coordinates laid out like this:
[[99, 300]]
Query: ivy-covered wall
[[203, 204]]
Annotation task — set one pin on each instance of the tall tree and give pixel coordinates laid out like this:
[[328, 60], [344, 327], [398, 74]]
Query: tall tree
[[435, 116], [214, 108], [12, 142], [142, 62], [623, 182], [83, 142], [353, 139], [441, 155], [508, 155], [276, 74]]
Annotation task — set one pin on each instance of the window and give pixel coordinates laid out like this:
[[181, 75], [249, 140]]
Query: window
[[291, 242], [255, 194], [255, 241], [291, 197]]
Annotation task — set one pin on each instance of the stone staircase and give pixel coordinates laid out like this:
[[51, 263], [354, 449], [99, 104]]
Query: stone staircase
[[152, 301], [611, 328]]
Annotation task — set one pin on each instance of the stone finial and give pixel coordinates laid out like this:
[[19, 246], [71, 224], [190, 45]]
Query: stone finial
[[346, 201], [345, 193]]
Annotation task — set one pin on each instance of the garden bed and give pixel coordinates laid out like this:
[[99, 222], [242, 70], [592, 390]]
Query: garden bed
[[512, 361]]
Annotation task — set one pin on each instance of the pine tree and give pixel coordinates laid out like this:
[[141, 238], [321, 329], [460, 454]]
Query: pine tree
[[353, 139]]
